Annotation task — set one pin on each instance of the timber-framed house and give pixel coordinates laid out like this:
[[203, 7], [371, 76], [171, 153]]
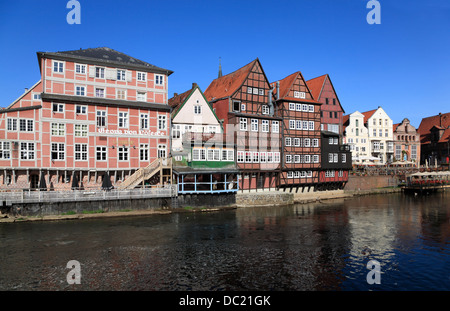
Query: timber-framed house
[[300, 128], [243, 101]]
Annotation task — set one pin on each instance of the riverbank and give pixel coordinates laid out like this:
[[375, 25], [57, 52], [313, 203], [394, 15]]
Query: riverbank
[[257, 198]]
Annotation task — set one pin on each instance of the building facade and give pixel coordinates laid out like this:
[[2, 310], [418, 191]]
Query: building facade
[[434, 134], [406, 143], [380, 127], [95, 112], [242, 100], [332, 112], [356, 136], [300, 128]]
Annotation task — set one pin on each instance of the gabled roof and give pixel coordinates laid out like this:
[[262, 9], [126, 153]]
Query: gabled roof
[[441, 120], [105, 56], [286, 85], [177, 102], [227, 85], [316, 86], [394, 126], [368, 114]]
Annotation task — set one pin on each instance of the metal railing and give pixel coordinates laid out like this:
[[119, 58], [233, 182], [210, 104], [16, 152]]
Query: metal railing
[[36, 196]]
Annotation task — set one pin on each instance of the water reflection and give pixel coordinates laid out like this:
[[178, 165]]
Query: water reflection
[[323, 246]]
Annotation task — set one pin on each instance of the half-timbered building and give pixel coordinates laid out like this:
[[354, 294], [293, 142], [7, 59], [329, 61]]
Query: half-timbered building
[[300, 128], [243, 101]]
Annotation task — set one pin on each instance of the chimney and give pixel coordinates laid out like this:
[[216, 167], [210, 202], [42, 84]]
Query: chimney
[[26, 90], [175, 94], [440, 119], [194, 85]]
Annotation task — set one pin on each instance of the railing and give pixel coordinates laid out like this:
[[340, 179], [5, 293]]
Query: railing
[[29, 196], [142, 174]]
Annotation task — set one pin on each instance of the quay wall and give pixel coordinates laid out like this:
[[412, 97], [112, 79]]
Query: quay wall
[[264, 198], [356, 183]]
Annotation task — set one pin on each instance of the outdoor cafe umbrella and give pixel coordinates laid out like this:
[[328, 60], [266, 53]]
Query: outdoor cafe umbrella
[[106, 184], [42, 184]]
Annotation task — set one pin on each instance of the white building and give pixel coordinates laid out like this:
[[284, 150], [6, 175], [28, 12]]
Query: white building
[[191, 114], [356, 135], [371, 134]]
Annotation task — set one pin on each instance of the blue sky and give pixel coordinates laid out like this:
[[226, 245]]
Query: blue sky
[[403, 64]]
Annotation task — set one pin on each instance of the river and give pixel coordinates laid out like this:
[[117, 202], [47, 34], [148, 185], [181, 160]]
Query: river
[[312, 247]]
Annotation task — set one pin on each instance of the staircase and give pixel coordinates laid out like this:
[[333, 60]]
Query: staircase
[[145, 173]]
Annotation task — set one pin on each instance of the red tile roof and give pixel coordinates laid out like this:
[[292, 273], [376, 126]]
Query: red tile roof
[[316, 85], [286, 85], [227, 85], [394, 126], [368, 114], [442, 120]]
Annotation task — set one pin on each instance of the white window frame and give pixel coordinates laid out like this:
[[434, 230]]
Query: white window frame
[[288, 158], [141, 76], [80, 130], [162, 122], [60, 151], [27, 153], [275, 127], [101, 151], [121, 75], [59, 108], [254, 125], [80, 90], [123, 119], [265, 126], [82, 108], [143, 152], [159, 79], [243, 124], [123, 153], [80, 69], [100, 72], [5, 150], [292, 106], [82, 153], [57, 129], [143, 121], [102, 116], [121, 94], [60, 67], [240, 156], [141, 96]]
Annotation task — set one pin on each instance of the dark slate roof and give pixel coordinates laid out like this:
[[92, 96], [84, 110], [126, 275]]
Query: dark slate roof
[[104, 56]]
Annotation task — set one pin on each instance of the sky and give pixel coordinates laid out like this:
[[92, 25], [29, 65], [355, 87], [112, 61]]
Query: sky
[[401, 64]]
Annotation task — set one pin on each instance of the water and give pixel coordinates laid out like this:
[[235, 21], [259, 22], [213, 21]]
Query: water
[[313, 247]]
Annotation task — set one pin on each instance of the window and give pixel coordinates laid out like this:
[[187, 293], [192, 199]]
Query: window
[[344, 158], [143, 152], [298, 124], [81, 130], [386, 133], [159, 79], [81, 152], [296, 174], [57, 107], [261, 91], [213, 154], [290, 174], [288, 158], [236, 106], [176, 131], [142, 76], [80, 109], [334, 101], [5, 150], [121, 75], [197, 109], [380, 132], [263, 157], [227, 155], [80, 68], [315, 142], [275, 127], [58, 151], [374, 132], [99, 92], [311, 108], [58, 129], [26, 125], [265, 125], [36, 96], [276, 157], [297, 142], [292, 106], [265, 109], [297, 158], [101, 118], [100, 153], [335, 158], [242, 107], [123, 119], [243, 124], [298, 107], [287, 141], [249, 90], [198, 154], [330, 140], [240, 156], [255, 91], [311, 125], [316, 158], [100, 72], [305, 107], [144, 121], [292, 124], [254, 125], [413, 152], [341, 173], [162, 122], [162, 151], [269, 157], [122, 153], [248, 157], [58, 67], [80, 90], [255, 157], [330, 158], [141, 96], [305, 125], [12, 124], [307, 158], [121, 94], [27, 151], [307, 142], [296, 94], [309, 174]]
